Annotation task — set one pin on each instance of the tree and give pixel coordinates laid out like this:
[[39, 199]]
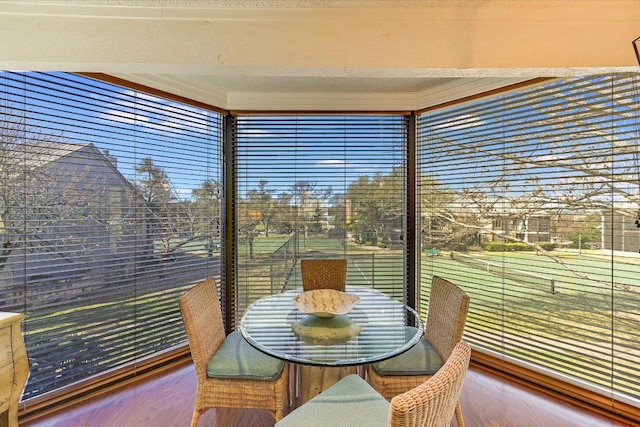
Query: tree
[[283, 213], [13, 165], [338, 211], [308, 199], [207, 213], [248, 219], [437, 227], [174, 221], [363, 210], [262, 202], [377, 206], [581, 230], [161, 203], [573, 149]]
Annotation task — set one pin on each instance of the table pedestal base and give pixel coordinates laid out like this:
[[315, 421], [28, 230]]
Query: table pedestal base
[[315, 379]]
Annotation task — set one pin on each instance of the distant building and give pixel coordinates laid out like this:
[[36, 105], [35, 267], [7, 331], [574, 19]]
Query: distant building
[[77, 212], [531, 228], [619, 231]]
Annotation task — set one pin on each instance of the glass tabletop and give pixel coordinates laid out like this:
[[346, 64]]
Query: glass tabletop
[[377, 328]]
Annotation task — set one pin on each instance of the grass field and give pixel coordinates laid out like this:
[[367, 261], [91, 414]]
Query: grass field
[[567, 328], [273, 268]]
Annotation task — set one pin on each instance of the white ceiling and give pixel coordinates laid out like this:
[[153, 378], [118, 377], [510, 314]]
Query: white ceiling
[[321, 55]]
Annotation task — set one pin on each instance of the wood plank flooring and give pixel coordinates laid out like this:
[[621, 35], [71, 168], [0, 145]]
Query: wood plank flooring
[[166, 399]]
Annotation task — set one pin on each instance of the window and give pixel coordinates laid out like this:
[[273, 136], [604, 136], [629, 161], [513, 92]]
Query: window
[[109, 210], [532, 197], [320, 186]]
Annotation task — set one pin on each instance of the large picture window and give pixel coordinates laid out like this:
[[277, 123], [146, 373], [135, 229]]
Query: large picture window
[[529, 201], [313, 186], [109, 209]]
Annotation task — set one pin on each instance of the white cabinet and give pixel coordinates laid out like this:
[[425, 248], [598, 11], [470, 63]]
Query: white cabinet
[[14, 367]]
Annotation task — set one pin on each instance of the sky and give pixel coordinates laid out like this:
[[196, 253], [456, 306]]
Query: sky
[[333, 151]]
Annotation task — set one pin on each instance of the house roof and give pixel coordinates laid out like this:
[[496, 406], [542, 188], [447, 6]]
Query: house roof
[[321, 54], [45, 152]]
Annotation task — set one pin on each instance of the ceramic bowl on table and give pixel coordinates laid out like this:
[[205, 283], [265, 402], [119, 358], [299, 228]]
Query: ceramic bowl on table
[[316, 330], [325, 303]]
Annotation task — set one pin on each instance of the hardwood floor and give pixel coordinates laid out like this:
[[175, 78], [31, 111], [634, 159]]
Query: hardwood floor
[[166, 399]]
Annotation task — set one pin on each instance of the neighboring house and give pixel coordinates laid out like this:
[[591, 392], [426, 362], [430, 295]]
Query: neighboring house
[[620, 232], [78, 211], [524, 222], [531, 228]]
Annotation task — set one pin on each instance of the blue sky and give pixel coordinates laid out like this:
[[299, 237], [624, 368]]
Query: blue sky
[[331, 150]]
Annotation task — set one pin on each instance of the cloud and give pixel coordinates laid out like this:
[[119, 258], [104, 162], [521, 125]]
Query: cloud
[[330, 162], [123, 117], [155, 113]]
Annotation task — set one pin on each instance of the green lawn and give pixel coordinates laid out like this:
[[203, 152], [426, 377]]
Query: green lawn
[[272, 268], [568, 329]]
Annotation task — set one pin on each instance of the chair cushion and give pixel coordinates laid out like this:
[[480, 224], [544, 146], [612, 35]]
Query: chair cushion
[[351, 402], [238, 359], [421, 359]]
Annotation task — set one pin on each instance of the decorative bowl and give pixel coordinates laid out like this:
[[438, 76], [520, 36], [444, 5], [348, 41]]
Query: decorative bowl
[[325, 302], [326, 331]]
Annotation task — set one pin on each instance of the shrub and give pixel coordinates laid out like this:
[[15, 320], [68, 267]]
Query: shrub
[[547, 246], [493, 246], [506, 247]]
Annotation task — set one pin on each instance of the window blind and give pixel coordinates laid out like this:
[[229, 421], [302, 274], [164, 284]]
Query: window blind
[[109, 211], [529, 201], [320, 186]]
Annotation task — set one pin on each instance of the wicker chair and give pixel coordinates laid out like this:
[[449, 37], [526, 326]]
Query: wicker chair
[[446, 318], [323, 274], [230, 373], [351, 402]]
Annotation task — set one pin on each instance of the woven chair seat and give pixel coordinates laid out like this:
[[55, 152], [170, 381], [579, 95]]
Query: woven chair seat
[[235, 358], [421, 359]]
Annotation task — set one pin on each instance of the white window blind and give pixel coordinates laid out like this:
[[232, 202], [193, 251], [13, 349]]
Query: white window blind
[[109, 211], [529, 201], [318, 186]]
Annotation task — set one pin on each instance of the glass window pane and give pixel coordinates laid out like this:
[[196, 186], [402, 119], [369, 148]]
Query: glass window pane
[[314, 186], [529, 201], [109, 210]]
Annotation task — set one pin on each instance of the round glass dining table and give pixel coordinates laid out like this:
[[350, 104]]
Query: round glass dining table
[[377, 328]]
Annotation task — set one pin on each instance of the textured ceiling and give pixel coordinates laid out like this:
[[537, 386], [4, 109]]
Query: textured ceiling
[[315, 54]]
